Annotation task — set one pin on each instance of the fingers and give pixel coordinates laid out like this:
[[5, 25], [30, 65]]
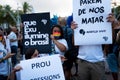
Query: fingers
[[74, 25], [73, 22], [52, 37], [17, 68], [111, 14], [63, 58], [110, 17], [11, 54]]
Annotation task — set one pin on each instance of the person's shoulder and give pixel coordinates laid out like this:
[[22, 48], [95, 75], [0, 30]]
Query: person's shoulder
[[62, 40], [11, 33], [69, 29]]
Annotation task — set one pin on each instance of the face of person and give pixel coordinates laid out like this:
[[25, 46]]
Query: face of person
[[35, 54], [62, 21], [56, 29], [56, 32], [14, 29]]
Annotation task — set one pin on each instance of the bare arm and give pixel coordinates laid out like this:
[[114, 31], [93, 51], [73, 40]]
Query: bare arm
[[58, 44], [6, 57]]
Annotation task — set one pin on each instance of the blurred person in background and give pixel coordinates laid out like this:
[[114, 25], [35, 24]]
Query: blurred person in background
[[4, 55], [14, 43]]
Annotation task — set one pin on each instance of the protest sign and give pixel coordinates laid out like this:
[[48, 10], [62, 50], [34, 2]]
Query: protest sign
[[44, 68], [93, 28], [36, 32]]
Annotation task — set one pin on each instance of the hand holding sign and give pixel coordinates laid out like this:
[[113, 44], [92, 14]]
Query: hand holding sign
[[74, 25]]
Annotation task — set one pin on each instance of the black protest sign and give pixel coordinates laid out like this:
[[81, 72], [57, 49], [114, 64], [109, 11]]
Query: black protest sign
[[36, 32]]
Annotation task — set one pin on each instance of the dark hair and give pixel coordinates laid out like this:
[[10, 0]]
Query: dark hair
[[1, 29], [61, 30], [29, 53], [8, 30]]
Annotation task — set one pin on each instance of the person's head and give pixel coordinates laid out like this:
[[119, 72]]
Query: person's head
[[31, 53], [8, 30], [14, 29], [1, 31], [57, 31], [62, 21]]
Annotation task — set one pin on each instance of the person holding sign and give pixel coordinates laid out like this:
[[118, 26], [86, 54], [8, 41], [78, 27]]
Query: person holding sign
[[30, 53], [91, 58], [60, 44]]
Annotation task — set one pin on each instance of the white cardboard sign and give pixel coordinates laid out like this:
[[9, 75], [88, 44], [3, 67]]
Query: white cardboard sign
[[44, 68], [93, 28]]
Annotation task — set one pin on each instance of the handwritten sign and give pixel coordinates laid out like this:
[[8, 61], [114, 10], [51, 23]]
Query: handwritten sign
[[36, 32], [93, 28], [44, 68]]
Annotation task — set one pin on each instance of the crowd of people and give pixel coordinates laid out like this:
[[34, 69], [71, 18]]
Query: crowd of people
[[90, 66]]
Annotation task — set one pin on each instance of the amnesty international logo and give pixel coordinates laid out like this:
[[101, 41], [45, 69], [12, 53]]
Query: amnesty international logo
[[82, 31]]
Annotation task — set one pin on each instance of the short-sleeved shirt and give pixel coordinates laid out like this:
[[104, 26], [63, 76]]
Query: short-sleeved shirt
[[91, 53], [13, 36], [3, 65], [64, 42]]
